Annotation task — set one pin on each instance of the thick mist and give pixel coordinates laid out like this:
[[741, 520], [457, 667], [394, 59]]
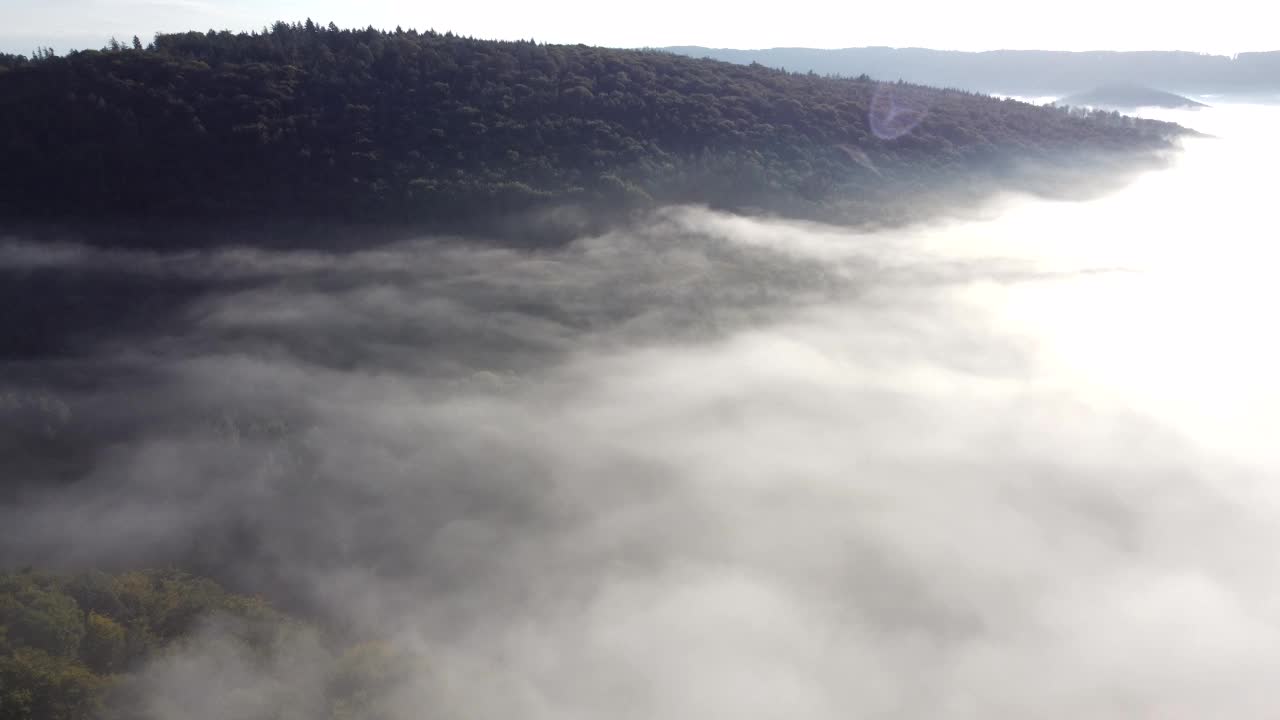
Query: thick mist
[[1017, 466]]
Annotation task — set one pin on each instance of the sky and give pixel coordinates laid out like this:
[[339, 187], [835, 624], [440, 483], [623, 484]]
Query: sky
[[1231, 26]]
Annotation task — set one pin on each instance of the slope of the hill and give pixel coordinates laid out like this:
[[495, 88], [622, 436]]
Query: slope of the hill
[[304, 121]]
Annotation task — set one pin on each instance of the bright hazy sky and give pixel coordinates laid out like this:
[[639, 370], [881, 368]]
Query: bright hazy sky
[[1225, 26]]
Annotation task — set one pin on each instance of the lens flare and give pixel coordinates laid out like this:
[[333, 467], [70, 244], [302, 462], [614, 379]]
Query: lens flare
[[895, 112]]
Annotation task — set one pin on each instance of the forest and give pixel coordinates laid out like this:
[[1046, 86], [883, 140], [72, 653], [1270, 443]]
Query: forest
[[308, 121], [74, 647]]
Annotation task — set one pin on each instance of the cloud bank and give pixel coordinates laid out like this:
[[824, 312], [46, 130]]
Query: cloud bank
[[712, 466]]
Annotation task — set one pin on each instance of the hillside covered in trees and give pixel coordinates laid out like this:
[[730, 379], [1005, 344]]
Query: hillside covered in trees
[[313, 122], [87, 646]]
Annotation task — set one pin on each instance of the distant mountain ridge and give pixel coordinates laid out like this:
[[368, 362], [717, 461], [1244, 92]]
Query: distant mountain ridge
[[1024, 72], [1129, 97]]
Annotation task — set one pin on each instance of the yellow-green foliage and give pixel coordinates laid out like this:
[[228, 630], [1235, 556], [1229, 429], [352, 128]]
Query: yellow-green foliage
[[103, 647], [37, 614], [64, 638], [35, 685], [71, 648]]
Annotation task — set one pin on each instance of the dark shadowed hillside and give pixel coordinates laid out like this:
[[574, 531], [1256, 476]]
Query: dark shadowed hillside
[[304, 121]]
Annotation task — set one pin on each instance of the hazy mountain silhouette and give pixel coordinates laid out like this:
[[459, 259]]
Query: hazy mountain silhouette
[[1026, 72], [1128, 97]]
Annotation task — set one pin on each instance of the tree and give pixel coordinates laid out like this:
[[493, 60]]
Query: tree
[[40, 617], [35, 685], [356, 683], [103, 648]]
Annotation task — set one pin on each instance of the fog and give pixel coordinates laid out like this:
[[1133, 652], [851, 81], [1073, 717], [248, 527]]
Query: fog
[[710, 466]]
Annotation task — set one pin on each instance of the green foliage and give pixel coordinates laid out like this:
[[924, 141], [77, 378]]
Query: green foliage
[[310, 121], [35, 685], [104, 645], [36, 614], [71, 648]]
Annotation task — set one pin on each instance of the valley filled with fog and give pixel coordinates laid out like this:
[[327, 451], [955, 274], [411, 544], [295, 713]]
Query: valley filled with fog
[[1014, 464]]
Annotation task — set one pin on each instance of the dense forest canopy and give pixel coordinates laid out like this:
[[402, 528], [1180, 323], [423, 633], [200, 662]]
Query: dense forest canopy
[[304, 120], [81, 647]]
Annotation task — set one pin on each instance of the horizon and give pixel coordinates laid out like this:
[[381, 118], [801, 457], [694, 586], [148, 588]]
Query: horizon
[[990, 25], [62, 45]]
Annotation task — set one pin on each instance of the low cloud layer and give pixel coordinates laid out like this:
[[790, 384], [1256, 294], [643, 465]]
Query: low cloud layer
[[712, 467]]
